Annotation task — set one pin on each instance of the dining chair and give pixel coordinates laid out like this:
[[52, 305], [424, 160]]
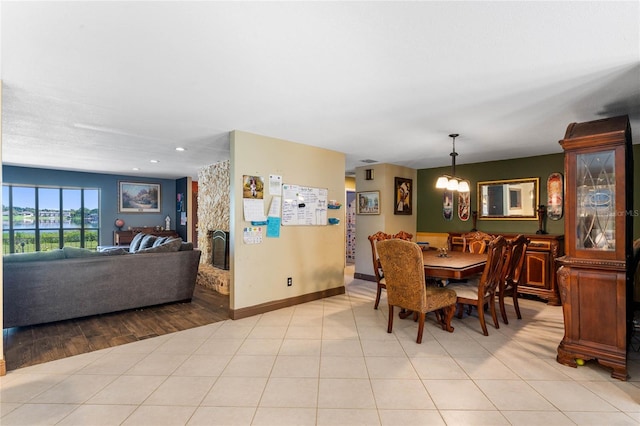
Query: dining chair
[[515, 264], [377, 268], [481, 292], [475, 242], [406, 287], [403, 235]]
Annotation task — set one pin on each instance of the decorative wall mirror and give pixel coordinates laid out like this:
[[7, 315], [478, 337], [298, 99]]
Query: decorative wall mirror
[[510, 199]]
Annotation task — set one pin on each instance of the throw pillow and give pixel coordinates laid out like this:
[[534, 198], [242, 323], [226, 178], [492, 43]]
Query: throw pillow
[[159, 241], [186, 246], [147, 242], [172, 245], [135, 243]]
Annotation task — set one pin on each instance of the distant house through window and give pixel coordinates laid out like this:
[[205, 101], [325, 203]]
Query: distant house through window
[[46, 218]]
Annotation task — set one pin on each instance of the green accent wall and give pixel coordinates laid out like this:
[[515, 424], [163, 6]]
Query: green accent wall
[[429, 199]]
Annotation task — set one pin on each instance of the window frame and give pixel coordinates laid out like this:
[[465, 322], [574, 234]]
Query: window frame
[[8, 226]]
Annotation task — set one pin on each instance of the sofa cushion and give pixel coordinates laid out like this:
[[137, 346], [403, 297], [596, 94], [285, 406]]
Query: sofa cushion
[[171, 245], [135, 242], [75, 252], [186, 246], [147, 242], [35, 256], [159, 241]]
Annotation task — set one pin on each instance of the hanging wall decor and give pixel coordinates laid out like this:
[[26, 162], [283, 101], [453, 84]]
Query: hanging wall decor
[[447, 205], [368, 202], [403, 196], [555, 196], [463, 206], [138, 197]]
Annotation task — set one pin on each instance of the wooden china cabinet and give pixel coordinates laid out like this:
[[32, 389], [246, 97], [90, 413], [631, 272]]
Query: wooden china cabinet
[[594, 281]]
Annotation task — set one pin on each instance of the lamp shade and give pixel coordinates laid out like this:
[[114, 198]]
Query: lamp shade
[[442, 182], [452, 185], [464, 186]]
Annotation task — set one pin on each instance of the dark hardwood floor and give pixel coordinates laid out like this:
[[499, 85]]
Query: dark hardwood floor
[[31, 345]]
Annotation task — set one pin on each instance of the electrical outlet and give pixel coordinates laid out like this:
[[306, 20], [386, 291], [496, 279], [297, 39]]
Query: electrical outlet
[[289, 282]]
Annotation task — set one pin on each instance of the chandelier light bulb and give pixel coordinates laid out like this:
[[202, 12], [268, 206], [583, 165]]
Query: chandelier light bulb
[[442, 182], [453, 185]]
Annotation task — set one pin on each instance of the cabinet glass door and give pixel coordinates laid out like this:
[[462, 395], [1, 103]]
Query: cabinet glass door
[[596, 214]]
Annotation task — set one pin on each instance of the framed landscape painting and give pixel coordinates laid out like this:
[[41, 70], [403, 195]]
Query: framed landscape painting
[[138, 197], [368, 202]]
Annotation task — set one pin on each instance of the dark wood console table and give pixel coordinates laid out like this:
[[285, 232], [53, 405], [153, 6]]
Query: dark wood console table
[[539, 275], [123, 238]]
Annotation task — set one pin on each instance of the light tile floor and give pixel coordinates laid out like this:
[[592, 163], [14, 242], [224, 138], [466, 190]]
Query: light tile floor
[[329, 362]]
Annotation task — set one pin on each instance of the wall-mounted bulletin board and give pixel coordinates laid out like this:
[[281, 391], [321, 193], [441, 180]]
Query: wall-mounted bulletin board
[[303, 205]]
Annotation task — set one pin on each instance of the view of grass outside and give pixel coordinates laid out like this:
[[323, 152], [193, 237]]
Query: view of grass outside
[[25, 241]]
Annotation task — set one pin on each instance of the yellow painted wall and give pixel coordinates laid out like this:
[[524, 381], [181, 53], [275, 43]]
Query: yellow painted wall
[[314, 256], [384, 181], [350, 183]]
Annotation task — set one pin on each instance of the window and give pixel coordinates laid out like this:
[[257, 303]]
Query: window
[[44, 218]]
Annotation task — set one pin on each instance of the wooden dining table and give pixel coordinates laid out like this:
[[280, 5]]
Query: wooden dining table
[[456, 264]]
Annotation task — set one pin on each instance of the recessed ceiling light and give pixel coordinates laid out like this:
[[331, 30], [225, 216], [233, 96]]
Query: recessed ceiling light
[[179, 148], [154, 161], [136, 168]]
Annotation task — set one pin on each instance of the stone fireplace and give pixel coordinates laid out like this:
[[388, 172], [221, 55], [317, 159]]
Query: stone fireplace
[[213, 205], [213, 215]]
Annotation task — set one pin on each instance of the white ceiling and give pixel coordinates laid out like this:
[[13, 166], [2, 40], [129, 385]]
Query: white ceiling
[[107, 87]]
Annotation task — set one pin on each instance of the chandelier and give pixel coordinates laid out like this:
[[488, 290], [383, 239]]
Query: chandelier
[[452, 182]]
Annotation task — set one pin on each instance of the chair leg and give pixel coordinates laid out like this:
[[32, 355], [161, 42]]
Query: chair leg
[[390, 326], [515, 302], [492, 309], [379, 291], [420, 326], [447, 315], [460, 310], [481, 318], [503, 311]]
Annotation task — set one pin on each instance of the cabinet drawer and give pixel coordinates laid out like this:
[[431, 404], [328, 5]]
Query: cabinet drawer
[[539, 245]]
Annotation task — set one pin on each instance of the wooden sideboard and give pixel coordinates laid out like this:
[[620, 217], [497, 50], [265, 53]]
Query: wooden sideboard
[[539, 275], [123, 238]]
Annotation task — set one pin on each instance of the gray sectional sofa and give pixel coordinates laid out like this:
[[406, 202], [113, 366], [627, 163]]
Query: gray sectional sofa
[[71, 283]]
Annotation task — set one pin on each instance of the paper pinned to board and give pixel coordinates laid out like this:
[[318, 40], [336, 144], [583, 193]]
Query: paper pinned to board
[[254, 210], [275, 184], [252, 235], [273, 227], [275, 208]]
